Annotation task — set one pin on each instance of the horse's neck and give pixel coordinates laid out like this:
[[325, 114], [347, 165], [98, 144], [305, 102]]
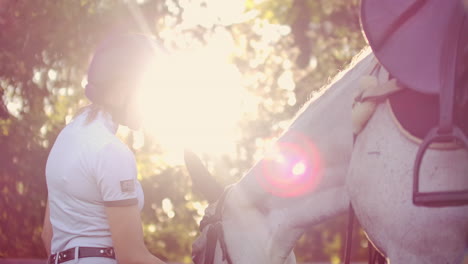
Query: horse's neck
[[326, 122]]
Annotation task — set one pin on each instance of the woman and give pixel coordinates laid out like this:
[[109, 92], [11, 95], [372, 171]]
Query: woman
[[94, 197]]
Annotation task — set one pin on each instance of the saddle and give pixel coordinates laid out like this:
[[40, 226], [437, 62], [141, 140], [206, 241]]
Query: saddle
[[424, 45]]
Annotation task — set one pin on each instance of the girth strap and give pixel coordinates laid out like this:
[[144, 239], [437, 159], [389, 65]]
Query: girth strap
[[349, 235]]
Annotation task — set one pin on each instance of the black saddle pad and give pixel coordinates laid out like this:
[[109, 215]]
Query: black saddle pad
[[419, 112]]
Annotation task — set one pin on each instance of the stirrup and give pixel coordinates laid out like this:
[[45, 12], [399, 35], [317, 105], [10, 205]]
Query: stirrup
[[443, 198]]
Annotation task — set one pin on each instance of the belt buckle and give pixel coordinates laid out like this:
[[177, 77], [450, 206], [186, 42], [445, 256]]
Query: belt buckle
[[65, 255]]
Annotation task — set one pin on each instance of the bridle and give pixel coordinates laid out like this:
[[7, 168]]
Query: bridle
[[214, 235]]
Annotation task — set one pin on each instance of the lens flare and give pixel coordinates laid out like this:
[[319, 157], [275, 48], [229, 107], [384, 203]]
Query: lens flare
[[291, 168], [299, 168]]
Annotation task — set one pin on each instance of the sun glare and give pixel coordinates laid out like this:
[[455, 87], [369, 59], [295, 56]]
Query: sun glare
[[196, 95], [194, 101]]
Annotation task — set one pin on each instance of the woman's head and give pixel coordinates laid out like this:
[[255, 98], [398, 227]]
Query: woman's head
[[117, 74]]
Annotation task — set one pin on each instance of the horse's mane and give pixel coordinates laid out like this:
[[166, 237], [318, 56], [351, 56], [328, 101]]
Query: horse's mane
[[360, 64]]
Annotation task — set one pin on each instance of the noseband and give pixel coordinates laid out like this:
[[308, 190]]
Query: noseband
[[215, 234]]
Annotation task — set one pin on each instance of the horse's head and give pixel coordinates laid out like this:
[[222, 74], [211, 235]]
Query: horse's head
[[234, 229], [300, 183]]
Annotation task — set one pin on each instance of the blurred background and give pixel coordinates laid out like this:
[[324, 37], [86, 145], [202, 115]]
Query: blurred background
[[234, 74]]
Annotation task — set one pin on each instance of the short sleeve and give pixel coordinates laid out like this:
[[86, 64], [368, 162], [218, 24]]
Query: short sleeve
[[116, 175]]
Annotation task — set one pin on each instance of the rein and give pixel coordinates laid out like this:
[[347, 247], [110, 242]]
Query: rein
[[215, 233]]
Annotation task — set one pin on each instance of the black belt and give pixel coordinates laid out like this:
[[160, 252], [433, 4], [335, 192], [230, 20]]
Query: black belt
[[83, 252]]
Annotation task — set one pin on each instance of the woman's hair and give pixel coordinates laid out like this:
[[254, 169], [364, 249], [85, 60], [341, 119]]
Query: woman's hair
[[93, 111]]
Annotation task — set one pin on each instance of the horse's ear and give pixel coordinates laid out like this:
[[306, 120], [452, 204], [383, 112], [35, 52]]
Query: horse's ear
[[202, 181]]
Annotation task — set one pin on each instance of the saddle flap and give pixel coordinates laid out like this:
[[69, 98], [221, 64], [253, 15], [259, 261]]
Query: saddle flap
[[416, 40]]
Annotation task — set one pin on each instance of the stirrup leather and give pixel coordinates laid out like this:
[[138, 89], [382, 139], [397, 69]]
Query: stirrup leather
[[447, 130]]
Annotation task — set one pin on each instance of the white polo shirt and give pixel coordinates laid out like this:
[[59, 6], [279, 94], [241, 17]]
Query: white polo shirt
[[88, 169]]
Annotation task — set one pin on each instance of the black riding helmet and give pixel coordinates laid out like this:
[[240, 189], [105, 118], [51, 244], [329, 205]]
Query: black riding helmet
[[118, 65]]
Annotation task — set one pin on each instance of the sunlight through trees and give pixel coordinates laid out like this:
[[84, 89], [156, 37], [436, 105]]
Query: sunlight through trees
[[235, 73]]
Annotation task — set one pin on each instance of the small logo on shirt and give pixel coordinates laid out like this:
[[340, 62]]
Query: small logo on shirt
[[127, 186]]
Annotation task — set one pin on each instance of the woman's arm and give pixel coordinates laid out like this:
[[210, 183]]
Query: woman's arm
[[46, 234], [127, 236]]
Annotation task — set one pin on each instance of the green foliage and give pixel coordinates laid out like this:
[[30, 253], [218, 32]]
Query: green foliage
[[169, 214], [45, 47]]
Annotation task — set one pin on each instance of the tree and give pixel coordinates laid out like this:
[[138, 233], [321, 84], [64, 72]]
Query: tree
[[284, 49]]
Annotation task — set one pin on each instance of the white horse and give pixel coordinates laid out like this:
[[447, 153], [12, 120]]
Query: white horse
[[256, 223]]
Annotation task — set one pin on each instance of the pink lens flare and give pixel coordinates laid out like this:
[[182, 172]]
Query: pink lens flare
[[292, 168]]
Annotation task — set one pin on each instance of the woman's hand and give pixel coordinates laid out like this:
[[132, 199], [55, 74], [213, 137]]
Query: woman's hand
[[127, 235]]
